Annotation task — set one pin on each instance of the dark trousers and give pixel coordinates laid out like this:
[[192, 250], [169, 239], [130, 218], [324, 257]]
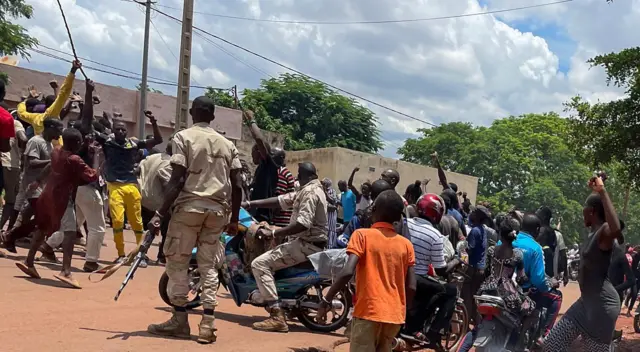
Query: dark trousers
[[633, 295], [429, 295], [164, 226], [551, 300], [27, 225], [470, 288]]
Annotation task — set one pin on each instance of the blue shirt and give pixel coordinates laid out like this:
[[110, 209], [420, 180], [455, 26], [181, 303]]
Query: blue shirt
[[456, 214], [533, 261], [477, 242], [348, 200]]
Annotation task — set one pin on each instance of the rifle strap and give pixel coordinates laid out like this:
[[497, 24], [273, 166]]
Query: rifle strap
[[109, 270]]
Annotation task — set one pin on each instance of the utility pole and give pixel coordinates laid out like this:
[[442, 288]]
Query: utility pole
[[184, 77], [142, 120]]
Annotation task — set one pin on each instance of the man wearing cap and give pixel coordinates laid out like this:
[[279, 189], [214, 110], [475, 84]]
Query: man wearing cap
[[205, 192], [308, 225]]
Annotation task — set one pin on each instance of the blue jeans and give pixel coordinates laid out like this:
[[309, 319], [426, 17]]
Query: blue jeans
[[551, 300]]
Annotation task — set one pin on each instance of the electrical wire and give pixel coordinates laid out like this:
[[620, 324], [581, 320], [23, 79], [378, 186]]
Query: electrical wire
[[101, 64], [374, 21], [164, 41], [118, 74], [221, 48], [299, 72]]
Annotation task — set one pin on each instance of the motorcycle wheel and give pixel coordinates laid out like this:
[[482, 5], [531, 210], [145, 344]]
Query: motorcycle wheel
[[335, 319], [458, 328], [636, 323], [194, 279]]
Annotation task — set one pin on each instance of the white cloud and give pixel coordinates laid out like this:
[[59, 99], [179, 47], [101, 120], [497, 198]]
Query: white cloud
[[473, 69]]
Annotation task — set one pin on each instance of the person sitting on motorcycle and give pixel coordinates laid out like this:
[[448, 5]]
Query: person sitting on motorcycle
[[544, 292], [308, 226], [503, 261], [363, 217], [429, 246]]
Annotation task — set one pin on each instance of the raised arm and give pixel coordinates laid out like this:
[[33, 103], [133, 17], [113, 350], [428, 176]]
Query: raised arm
[[441, 175], [261, 141], [65, 91], [612, 231], [86, 122], [157, 136], [353, 188]]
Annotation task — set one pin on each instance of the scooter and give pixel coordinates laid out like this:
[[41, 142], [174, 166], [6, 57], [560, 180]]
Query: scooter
[[573, 265], [458, 326], [502, 330], [299, 288]]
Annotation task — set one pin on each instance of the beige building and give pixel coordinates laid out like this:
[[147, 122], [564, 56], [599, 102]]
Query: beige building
[[337, 164], [126, 102]]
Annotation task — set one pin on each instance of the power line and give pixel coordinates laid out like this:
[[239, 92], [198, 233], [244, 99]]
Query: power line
[[221, 48], [375, 21], [99, 63], [116, 73], [299, 72], [164, 41]]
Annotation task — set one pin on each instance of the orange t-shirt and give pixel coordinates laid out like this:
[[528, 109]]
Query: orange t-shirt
[[384, 259]]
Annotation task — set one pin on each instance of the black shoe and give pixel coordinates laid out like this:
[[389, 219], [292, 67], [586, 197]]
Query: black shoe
[[161, 261], [90, 267]]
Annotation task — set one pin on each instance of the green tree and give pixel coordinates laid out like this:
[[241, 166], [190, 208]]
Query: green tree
[[310, 115], [522, 161], [607, 132], [149, 89], [14, 39], [222, 97]]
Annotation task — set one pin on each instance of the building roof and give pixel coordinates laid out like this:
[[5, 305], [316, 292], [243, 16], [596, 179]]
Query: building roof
[[118, 100]]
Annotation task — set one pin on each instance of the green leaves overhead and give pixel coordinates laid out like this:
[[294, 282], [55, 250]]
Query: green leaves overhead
[[309, 114]]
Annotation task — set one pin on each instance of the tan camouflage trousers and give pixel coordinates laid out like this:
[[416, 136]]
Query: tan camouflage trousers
[[186, 231]]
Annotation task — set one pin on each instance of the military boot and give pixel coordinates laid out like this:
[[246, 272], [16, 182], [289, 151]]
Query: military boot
[[177, 326], [207, 330], [275, 323]]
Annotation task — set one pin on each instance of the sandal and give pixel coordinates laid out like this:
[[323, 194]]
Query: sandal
[[30, 271], [68, 280]]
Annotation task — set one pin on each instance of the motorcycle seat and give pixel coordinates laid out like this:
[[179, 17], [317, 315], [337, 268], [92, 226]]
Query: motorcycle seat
[[292, 270]]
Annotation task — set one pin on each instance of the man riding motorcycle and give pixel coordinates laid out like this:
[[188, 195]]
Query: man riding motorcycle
[[429, 245], [309, 227], [545, 293]]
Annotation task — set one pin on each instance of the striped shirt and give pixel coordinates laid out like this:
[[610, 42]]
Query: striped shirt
[[285, 184], [428, 245]]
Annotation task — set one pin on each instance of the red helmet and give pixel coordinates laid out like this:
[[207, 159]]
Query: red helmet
[[431, 206]]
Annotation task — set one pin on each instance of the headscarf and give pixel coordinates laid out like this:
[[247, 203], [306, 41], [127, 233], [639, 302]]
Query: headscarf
[[327, 184]]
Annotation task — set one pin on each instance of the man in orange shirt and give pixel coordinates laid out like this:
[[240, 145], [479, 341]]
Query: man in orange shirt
[[383, 262]]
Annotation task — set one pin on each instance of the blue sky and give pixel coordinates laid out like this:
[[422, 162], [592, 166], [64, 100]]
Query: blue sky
[[474, 69]]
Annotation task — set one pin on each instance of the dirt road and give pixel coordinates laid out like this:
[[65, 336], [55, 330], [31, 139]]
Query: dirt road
[[44, 315]]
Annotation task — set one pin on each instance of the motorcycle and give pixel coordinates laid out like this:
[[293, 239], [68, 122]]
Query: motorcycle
[[451, 338], [502, 330], [299, 288]]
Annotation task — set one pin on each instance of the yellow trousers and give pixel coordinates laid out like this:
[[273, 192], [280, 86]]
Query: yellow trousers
[[124, 197]]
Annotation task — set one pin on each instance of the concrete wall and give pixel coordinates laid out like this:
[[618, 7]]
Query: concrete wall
[[246, 142], [117, 99], [337, 164]]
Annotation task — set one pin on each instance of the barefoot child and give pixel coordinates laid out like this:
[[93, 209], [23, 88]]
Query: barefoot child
[[55, 209]]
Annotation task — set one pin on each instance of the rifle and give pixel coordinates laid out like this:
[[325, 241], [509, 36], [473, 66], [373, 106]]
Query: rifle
[[142, 252]]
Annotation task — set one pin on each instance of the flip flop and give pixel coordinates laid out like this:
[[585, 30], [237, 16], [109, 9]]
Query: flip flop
[[31, 272], [71, 282]]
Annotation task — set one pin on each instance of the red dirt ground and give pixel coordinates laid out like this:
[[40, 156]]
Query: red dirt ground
[[44, 315]]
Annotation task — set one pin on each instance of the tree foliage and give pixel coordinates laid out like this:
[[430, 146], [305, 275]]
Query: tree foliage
[[522, 161], [308, 114], [149, 89], [607, 132], [14, 39]]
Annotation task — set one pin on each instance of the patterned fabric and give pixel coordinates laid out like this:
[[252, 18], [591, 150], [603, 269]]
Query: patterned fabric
[[332, 217], [285, 184], [565, 332], [499, 281]]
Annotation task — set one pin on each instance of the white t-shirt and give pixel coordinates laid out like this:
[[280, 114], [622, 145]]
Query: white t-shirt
[[363, 204]]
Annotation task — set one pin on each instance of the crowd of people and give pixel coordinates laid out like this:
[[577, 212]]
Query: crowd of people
[[57, 180]]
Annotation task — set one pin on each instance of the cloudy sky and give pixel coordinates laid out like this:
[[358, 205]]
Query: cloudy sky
[[474, 69]]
